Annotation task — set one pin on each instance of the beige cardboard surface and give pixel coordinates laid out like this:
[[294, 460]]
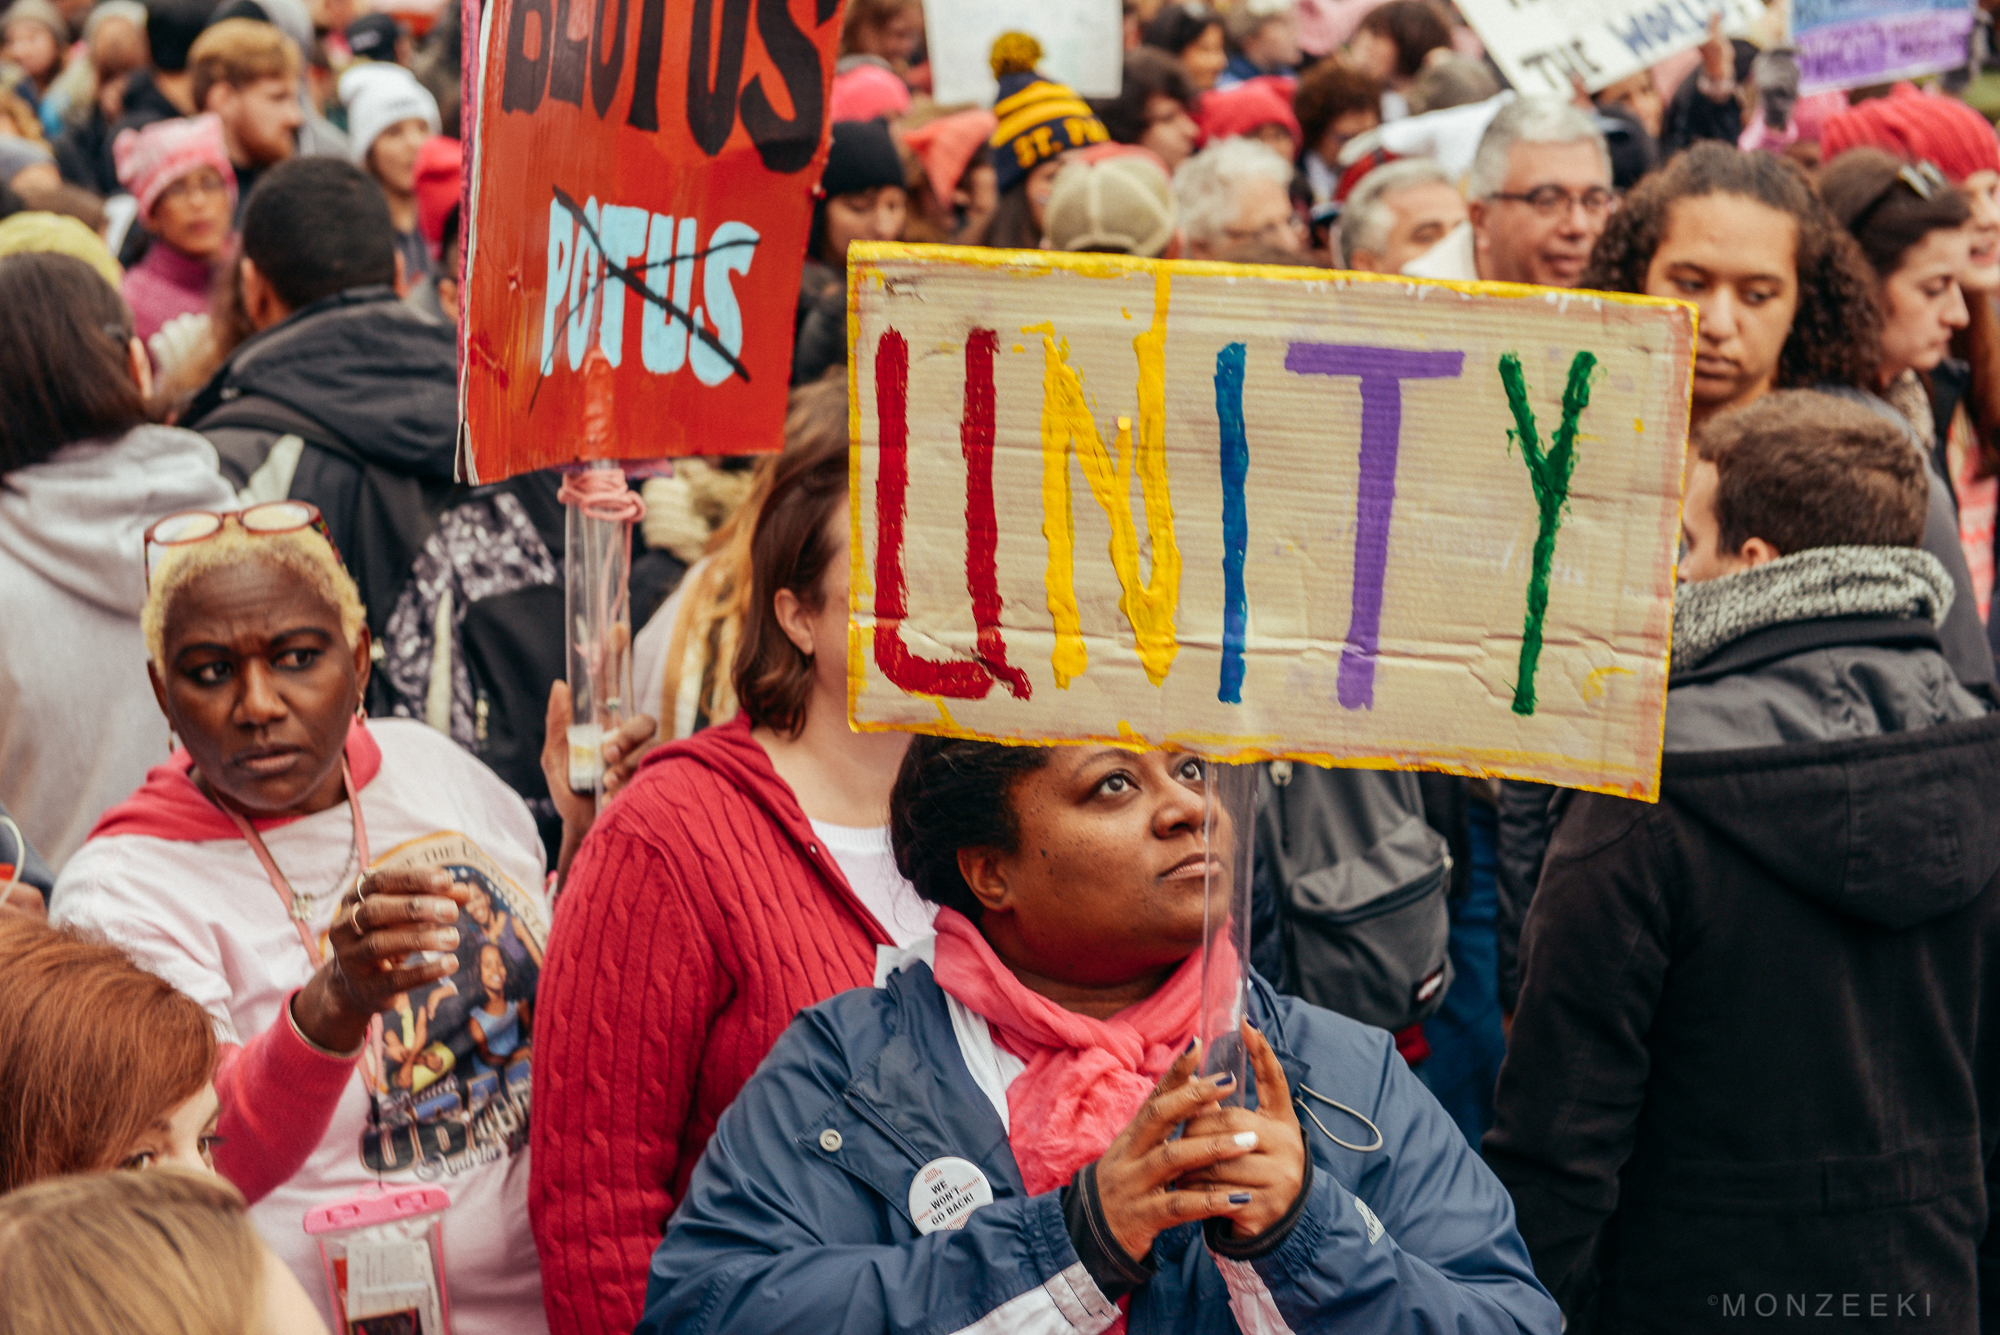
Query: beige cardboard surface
[[1372, 521]]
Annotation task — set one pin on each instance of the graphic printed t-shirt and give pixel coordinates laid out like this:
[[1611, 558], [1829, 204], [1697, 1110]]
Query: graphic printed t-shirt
[[869, 864], [450, 1073]]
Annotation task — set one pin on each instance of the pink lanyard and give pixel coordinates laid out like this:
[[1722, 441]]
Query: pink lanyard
[[278, 881]]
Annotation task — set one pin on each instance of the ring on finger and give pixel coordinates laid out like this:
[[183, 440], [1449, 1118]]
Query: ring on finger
[[354, 918]]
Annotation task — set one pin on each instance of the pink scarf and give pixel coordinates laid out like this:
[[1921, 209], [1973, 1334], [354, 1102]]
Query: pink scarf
[[1085, 1077]]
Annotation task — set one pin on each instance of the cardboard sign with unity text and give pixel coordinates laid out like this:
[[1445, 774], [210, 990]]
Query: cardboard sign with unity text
[[1264, 512]]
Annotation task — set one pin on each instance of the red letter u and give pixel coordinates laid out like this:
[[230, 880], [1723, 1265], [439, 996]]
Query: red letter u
[[957, 679]]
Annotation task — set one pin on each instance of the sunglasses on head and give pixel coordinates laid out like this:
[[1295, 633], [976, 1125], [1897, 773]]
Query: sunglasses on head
[[264, 520], [1924, 180]]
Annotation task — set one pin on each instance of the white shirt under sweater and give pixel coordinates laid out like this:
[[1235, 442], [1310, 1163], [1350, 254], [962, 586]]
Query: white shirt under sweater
[[866, 859], [203, 915]]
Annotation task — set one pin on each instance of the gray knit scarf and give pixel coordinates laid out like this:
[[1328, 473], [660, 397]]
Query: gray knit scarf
[[1807, 586]]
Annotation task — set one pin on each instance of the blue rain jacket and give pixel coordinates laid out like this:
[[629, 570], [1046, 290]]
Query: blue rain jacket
[[787, 1228]]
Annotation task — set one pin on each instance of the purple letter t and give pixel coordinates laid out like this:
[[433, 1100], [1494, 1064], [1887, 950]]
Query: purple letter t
[[1381, 371]]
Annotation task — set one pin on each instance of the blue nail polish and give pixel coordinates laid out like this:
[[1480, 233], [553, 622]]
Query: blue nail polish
[[1192, 1044], [1239, 1198], [1225, 1080]]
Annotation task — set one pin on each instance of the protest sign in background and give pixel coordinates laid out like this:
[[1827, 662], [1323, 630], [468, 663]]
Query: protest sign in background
[[641, 193], [1539, 44], [1083, 44], [1265, 512], [1849, 43]]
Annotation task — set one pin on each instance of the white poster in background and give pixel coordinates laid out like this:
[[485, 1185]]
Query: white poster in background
[[1540, 44], [1083, 44]]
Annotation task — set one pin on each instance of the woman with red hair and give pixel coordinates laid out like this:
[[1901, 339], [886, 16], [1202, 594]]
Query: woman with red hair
[[102, 1065], [1964, 390]]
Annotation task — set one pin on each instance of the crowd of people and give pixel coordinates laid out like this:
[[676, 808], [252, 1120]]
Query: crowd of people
[[810, 1028]]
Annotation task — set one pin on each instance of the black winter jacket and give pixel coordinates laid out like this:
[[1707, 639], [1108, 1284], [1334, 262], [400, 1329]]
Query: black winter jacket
[[370, 387], [1755, 1069]]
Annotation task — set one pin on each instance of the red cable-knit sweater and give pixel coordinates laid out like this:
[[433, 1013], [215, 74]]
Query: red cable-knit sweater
[[701, 915]]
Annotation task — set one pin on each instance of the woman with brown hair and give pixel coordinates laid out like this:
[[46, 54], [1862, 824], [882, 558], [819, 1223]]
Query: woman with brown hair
[[1912, 224], [85, 471], [1786, 298], [743, 875], [1964, 388], [1394, 44], [1154, 108], [1191, 32], [170, 1253]]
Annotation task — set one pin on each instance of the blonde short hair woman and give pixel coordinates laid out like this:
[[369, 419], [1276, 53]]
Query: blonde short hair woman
[[168, 1251]]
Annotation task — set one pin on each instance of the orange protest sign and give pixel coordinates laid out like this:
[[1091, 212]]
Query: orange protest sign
[[640, 200]]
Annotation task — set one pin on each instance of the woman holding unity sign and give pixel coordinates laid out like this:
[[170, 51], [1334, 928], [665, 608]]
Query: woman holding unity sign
[[1009, 1134]]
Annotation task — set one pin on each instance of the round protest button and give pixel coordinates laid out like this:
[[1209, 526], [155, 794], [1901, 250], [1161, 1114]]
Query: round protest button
[[945, 1192]]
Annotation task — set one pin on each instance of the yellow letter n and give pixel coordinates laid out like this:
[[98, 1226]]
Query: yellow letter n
[[1067, 424]]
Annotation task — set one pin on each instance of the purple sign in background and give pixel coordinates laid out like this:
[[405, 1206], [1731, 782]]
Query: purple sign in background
[[1847, 52]]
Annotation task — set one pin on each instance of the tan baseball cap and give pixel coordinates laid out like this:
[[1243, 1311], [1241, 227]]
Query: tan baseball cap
[[1114, 198]]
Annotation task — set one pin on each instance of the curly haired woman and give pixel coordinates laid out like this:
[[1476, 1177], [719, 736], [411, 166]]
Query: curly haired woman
[[1787, 301]]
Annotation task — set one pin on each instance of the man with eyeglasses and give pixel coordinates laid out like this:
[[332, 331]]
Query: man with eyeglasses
[[1538, 197]]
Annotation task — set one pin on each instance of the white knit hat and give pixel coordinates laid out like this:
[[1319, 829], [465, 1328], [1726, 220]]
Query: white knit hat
[[379, 95]]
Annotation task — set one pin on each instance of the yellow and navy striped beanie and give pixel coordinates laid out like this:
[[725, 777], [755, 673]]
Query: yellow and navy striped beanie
[[1038, 117]]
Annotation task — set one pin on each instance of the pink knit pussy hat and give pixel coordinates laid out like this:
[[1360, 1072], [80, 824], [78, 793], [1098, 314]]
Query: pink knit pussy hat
[[151, 159]]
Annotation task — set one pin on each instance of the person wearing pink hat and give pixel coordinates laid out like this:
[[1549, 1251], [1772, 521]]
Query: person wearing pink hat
[[866, 89], [959, 191], [179, 172], [1259, 109], [439, 175], [1919, 127]]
